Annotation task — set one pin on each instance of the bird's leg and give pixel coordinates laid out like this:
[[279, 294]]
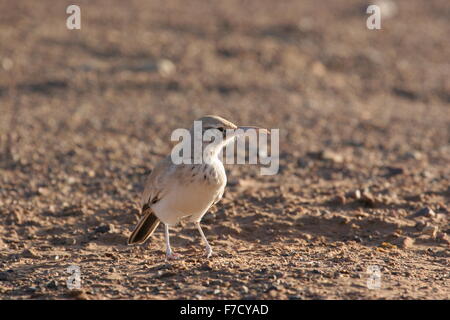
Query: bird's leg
[[169, 254], [208, 247]]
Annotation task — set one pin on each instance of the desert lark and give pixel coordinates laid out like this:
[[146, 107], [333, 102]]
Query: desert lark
[[176, 191]]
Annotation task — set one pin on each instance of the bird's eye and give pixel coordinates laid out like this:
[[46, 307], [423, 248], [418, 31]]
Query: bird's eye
[[221, 129]]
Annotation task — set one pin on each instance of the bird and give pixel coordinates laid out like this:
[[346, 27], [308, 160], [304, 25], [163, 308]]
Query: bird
[[186, 190]]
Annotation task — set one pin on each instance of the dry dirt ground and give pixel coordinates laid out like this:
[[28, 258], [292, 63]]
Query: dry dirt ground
[[364, 147]]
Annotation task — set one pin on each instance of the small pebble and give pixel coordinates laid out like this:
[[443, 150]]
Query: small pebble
[[426, 212], [404, 242], [28, 253], [103, 229], [52, 285], [431, 231]]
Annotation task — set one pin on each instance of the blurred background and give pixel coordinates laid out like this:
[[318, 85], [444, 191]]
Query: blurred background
[[85, 114]]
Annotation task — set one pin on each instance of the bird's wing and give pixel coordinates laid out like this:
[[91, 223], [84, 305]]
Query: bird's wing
[[219, 196], [157, 183]]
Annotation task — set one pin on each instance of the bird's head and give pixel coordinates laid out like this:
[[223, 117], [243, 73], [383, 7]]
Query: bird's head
[[216, 122], [215, 126]]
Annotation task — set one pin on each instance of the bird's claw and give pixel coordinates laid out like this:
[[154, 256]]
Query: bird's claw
[[208, 252], [172, 256]]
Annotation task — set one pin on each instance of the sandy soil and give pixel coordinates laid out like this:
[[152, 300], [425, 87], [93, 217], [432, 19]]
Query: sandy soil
[[364, 141]]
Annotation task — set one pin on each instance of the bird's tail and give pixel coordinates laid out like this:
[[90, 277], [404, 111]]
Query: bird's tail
[[145, 227]]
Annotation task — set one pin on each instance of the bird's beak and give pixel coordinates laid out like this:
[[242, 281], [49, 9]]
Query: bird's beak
[[240, 131]]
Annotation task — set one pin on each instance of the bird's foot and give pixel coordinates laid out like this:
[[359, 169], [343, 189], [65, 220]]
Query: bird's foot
[[209, 252], [172, 256]]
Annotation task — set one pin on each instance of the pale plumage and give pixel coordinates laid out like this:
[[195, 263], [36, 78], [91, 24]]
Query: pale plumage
[[176, 191]]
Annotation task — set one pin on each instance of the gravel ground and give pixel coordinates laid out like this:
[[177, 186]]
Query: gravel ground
[[364, 147]]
